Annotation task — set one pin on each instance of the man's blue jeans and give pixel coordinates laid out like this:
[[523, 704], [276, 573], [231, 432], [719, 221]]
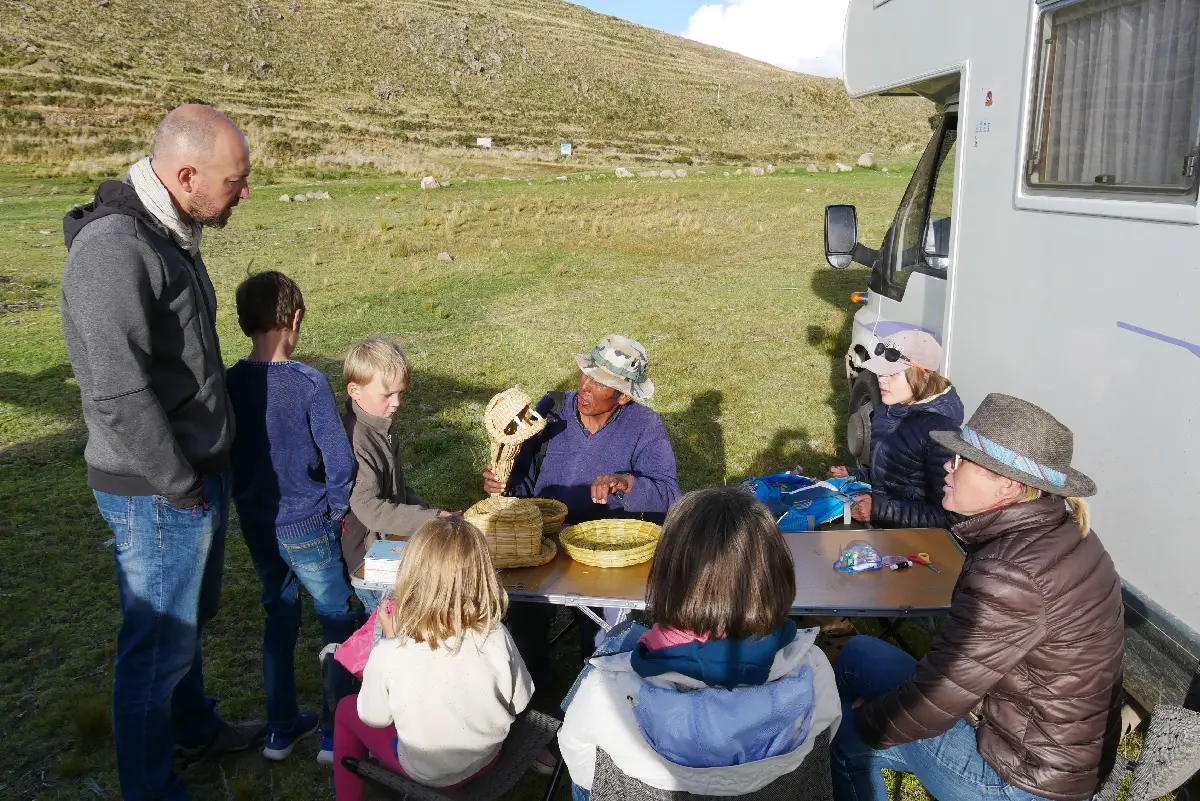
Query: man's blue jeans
[[949, 765], [169, 564], [313, 560]]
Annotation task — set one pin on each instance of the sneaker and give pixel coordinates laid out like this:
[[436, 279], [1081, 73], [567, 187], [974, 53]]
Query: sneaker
[[230, 737], [325, 755], [545, 762], [280, 743]]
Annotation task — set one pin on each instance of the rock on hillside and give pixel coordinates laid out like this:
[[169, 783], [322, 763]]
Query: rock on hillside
[[330, 82]]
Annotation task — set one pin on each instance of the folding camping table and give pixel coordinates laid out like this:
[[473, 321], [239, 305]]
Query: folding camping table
[[915, 591]]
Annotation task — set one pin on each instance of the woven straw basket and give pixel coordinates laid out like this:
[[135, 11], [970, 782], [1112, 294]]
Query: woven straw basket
[[611, 543], [509, 420], [513, 529], [553, 514]]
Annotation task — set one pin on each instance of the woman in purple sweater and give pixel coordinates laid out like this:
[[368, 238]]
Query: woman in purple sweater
[[603, 454]]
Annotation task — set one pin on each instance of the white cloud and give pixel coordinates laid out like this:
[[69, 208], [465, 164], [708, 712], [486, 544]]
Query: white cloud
[[800, 35]]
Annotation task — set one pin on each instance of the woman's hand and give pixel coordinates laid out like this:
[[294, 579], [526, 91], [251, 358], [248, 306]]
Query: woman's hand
[[860, 509], [491, 485], [610, 483], [839, 472], [445, 513]]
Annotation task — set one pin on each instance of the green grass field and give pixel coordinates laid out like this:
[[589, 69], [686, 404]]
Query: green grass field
[[723, 280]]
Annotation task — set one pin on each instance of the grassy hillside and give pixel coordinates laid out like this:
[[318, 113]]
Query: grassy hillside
[[407, 86]]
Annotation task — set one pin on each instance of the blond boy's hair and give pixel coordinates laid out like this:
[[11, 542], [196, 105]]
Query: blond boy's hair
[[447, 585], [376, 356]]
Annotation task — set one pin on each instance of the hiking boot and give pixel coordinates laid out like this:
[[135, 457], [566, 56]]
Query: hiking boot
[[281, 742], [230, 737]]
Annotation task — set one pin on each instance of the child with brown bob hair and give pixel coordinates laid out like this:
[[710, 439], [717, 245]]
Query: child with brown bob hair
[[723, 695], [443, 686]]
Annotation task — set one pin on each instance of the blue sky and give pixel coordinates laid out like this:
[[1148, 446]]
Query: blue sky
[[666, 15], [799, 35]]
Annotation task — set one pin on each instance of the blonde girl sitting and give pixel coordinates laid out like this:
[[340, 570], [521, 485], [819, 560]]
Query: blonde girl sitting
[[442, 688]]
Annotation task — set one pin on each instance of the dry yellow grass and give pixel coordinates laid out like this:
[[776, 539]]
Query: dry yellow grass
[[406, 86]]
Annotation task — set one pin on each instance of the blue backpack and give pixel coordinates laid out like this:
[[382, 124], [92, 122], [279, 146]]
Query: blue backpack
[[801, 504]]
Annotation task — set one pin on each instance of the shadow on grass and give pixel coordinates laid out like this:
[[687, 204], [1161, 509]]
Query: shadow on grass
[[789, 449], [698, 441], [834, 287], [52, 390]]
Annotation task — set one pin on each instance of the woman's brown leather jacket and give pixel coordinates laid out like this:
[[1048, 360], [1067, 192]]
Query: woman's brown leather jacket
[[1031, 651]]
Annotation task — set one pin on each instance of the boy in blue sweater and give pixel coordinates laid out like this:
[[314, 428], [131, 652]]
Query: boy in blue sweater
[[292, 473]]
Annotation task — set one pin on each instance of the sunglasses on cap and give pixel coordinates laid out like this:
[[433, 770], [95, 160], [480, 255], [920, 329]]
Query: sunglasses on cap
[[894, 355]]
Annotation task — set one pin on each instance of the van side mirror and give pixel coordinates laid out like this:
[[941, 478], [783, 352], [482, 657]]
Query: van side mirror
[[841, 235]]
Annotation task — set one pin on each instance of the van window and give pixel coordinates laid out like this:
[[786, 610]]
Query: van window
[[1117, 97], [937, 227], [921, 232]]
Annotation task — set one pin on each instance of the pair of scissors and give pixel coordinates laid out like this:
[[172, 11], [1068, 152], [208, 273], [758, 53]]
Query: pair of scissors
[[923, 559]]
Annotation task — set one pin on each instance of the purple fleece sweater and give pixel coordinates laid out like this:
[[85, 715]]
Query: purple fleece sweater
[[633, 441]]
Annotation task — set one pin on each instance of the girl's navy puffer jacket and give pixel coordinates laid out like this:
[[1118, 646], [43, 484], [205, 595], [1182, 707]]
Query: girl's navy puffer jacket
[[907, 472]]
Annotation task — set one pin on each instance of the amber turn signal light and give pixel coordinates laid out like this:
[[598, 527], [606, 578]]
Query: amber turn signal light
[[859, 297]]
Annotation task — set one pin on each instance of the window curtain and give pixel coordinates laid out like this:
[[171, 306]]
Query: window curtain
[[1123, 89]]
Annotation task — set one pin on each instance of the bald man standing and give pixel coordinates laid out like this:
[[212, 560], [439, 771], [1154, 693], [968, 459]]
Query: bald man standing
[[139, 320]]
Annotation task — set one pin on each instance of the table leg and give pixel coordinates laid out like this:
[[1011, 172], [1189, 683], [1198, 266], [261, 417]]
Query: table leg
[[571, 624], [599, 621]]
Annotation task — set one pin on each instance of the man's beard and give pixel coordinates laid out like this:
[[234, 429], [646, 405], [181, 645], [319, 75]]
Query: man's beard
[[209, 213]]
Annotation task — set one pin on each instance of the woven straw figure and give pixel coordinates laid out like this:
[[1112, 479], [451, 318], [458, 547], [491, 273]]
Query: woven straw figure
[[509, 419]]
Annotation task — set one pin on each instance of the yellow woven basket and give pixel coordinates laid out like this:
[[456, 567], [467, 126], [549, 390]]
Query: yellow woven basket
[[513, 529], [553, 514], [611, 543]]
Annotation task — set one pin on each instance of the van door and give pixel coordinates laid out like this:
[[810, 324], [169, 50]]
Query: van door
[[918, 241], [908, 275]]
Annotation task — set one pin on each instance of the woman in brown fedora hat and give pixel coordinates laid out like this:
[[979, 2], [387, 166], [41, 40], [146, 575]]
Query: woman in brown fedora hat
[[1019, 696]]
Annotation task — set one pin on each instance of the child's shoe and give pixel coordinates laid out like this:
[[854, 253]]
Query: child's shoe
[[280, 743], [545, 762], [325, 755]]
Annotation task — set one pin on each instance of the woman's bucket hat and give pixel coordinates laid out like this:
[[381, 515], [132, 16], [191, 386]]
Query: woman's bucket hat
[[618, 363], [1018, 440]]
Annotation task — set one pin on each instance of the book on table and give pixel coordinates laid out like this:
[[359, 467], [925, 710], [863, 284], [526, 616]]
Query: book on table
[[382, 562]]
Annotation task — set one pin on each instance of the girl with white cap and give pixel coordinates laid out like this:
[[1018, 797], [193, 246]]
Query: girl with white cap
[[907, 468]]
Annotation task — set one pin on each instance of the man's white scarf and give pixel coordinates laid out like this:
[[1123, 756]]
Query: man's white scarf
[[157, 200]]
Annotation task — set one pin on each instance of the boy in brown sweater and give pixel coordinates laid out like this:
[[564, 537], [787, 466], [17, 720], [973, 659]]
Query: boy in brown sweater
[[381, 503]]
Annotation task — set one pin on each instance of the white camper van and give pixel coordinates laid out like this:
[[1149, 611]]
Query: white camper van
[[1050, 238]]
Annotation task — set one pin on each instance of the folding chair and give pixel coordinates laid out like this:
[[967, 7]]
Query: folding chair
[[811, 781], [1170, 756], [531, 732]]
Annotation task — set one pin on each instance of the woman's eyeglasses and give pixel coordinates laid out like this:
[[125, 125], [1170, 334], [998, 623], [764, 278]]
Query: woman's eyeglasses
[[894, 355]]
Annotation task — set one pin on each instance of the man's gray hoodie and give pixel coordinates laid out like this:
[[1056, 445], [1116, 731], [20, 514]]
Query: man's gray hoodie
[[139, 320]]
